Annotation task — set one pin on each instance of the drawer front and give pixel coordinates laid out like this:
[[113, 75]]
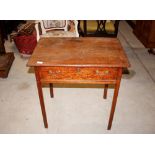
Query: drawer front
[[77, 73]]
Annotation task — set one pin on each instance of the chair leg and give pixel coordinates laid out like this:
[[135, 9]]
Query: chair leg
[[105, 91]]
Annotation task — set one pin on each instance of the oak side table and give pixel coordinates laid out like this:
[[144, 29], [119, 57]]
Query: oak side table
[[78, 60]]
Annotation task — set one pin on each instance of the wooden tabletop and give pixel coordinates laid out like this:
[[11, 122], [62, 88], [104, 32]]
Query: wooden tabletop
[[99, 52]]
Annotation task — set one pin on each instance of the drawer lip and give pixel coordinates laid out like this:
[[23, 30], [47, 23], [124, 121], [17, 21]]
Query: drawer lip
[[80, 81]]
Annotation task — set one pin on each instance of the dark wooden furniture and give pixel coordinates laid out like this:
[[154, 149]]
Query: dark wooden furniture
[[9, 25], [132, 23], [6, 59], [145, 32], [100, 28], [78, 60]]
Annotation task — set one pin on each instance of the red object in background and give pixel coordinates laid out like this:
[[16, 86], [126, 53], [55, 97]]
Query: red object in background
[[26, 43]]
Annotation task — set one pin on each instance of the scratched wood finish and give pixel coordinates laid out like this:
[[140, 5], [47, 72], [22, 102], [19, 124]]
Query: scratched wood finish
[[100, 52], [77, 74]]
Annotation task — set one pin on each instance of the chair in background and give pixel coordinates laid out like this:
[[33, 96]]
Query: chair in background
[[56, 28], [98, 28]]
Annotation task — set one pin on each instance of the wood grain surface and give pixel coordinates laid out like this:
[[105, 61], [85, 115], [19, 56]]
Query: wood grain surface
[[100, 52], [77, 74]]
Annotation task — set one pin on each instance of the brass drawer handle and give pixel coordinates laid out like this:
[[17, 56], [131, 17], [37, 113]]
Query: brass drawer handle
[[105, 72], [54, 72]]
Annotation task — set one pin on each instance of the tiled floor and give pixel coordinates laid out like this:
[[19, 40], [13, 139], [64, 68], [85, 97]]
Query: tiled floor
[[81, 108]]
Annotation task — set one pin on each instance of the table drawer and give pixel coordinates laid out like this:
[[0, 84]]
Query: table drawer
[[77, 73]]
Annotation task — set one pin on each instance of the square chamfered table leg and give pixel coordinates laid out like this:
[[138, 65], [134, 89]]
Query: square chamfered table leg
[[105, 91], [41, 98], [117, 85], [51, 90]]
